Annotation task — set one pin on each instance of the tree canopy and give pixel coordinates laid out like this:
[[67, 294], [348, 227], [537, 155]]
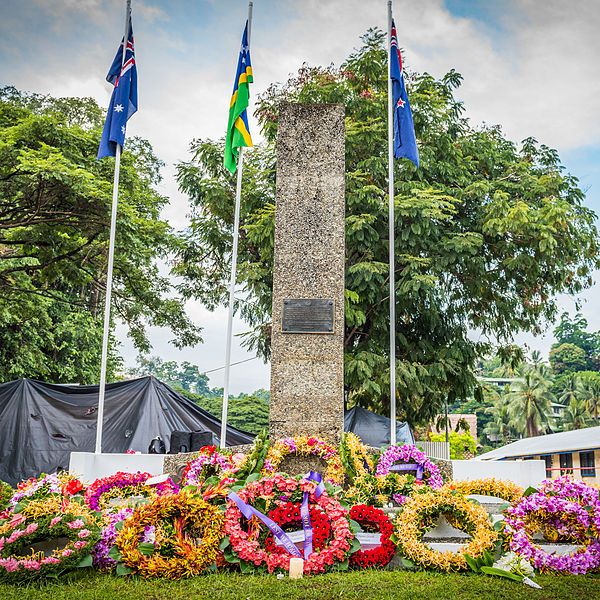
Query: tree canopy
[[55, 200], [570, 333], [487, 233], [185, 377]]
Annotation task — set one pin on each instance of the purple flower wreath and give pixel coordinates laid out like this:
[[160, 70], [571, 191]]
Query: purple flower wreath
[[102, 560], [108, 537], [409, 460], [573, 509]]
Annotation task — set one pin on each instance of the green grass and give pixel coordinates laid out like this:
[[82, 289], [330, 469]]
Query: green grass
[[360, 585]]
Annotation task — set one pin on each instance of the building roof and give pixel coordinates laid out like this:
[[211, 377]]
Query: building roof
[[566, 441]]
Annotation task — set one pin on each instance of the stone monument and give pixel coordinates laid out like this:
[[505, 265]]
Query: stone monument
[[307, 366]]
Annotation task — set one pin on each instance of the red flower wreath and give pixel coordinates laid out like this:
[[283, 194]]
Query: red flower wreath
[[373, 519], [289, 514], [247, 541]]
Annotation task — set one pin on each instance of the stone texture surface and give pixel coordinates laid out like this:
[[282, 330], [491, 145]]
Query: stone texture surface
[[307, 370]]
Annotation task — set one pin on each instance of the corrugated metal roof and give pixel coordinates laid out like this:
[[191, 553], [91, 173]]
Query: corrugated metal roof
[[566, 441]]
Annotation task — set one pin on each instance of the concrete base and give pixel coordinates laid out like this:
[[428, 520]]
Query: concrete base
[[89, 466]]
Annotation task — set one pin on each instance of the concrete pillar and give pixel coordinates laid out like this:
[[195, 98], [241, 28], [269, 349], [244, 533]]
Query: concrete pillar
[[307, 368]]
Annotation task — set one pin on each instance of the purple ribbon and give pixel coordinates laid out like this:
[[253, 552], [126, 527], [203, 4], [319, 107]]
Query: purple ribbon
[[305, 512], [409, 467], [249, 512]]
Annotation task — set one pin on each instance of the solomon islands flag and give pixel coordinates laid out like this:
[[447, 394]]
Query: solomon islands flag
[[238, 133], [123, 102], [405, 143]]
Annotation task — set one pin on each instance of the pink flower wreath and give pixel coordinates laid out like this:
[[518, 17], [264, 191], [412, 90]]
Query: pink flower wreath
[[248, 542], [569, 507]]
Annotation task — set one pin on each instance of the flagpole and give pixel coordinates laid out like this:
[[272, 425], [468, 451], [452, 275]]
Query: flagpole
[[232, 277], [109, 271], [391, 237]]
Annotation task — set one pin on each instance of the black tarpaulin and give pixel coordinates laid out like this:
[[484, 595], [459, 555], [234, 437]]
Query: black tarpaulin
[[374, 430], [42, 423]]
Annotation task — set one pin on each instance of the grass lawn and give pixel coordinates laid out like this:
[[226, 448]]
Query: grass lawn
[[379, 585]]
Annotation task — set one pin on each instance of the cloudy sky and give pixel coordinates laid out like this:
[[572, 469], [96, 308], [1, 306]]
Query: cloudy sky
[[530, 65]]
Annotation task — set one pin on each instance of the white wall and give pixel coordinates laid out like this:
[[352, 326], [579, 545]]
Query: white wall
[[521, 472], [89, 466]]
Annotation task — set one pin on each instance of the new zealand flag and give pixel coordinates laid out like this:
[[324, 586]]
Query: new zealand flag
[[405, 143]]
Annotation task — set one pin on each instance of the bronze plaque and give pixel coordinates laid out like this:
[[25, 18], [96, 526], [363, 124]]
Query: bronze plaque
[[307, 315]]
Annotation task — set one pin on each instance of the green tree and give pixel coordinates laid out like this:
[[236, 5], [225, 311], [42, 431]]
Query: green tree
[[571, 389], [185, 377], [462, 445], [574, 331], [568, 358], [487, 233], [530, 404], [249, 412], [589, 382], [575, 415], [55, 202], [499, 426]]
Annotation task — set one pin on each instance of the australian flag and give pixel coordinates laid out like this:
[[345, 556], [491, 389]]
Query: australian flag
[[123, 102], [405, 143]]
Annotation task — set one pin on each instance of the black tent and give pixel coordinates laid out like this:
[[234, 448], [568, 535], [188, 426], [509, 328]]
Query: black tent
[[374, 430], [42, 423]]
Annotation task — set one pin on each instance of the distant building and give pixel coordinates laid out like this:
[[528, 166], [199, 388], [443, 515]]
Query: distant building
[[500, 382], [574, 453]]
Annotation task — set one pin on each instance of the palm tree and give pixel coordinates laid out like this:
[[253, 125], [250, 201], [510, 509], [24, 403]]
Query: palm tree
[[571, 390], [499, 427], [530, 404], [590, 392], [575, 415], [536, 358]]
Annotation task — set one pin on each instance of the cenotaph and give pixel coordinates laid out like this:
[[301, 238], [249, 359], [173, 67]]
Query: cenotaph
[[307, 366]]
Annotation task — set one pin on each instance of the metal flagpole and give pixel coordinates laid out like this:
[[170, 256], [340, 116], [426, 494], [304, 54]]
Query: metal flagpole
[[109, 271], [391, 239], [234, 252]]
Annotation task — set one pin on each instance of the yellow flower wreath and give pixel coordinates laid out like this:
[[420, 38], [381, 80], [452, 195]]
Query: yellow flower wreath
[[507, 490], [198, 529], [419, 514]]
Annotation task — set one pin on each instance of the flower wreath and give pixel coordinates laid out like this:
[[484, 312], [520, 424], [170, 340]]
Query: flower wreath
[[570, 518], [102, 559], [19, 564], [184, 542], [407, 459], [45, 486], [122, 485], [497, 488], [208, 462], [419, 514], [305, 446], [248, 541], [570, 489], [373, 519], [355, 456]]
